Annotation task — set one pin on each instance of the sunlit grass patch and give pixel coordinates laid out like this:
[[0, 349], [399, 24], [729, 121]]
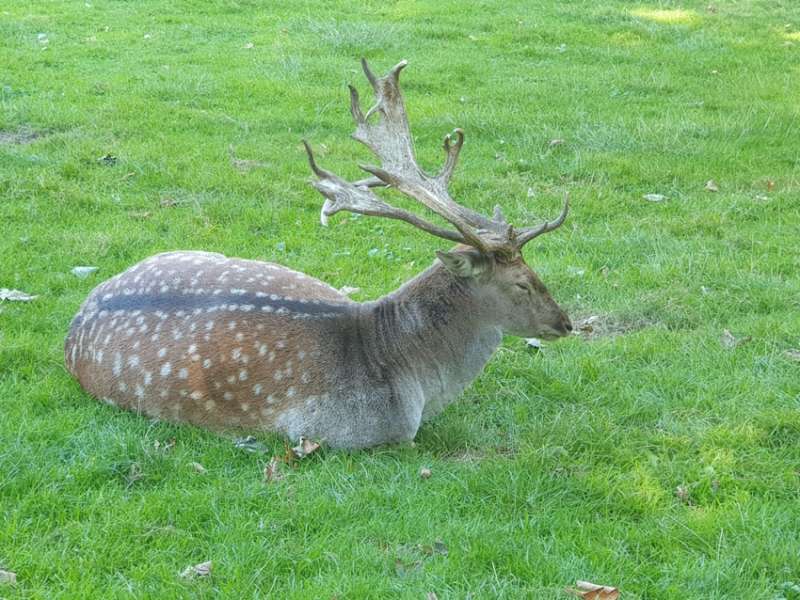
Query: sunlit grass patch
[[676, 16]]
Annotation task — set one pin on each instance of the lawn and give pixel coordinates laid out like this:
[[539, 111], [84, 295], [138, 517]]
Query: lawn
[[656, 451]]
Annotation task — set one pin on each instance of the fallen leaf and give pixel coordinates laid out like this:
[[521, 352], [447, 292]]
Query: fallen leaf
[[305, 448], [250, 444], [431, 596], [553, 143], [83, 272], [592, 591], [347, 290], [196, 466], [586, 326], [759, 197], [107, 160], [792, 353], [440, 548], [425, 473], [271, 470], [535, 343], [770, 185], [201, 570], [682, 494], [164, 446], [562, 48], [711, 186], [8, 577], [655, 197], [249, 46], [15, 295], [139, 215], [711, 8], [728, 340]]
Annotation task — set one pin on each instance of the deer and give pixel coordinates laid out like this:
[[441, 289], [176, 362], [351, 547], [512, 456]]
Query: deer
[[237, 345]]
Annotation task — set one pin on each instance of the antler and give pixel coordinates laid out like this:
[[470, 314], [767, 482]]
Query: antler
[[390, 140]]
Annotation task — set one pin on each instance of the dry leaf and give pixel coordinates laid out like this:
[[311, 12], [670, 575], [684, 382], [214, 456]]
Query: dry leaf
[[792, 353], [8, 577], [164, 446], [439, 548], [201, 570], [271, 470], [15, 295], [655, 197], [711, 186], [431, 596], [347, 290], [197, 467], [107, 160], [729, 341], [587, 325], [250, 444], [425, 473], [140, 215], [83, 272], [305, 448], [553, 143], [592, 591], [682, 494], [770, 185]]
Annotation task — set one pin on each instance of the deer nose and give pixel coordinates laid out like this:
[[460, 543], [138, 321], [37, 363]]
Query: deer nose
[[567, 325]]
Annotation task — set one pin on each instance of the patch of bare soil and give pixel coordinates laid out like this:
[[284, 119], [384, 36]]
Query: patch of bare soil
[[19, 137], [604, 326]]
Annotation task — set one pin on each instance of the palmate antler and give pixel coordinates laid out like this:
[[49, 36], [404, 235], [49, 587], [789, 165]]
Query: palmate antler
[[390, 141]]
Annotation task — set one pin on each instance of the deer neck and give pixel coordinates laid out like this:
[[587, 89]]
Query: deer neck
[[434, 332]]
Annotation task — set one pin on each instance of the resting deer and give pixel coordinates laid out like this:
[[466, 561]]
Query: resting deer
[[234, 344]]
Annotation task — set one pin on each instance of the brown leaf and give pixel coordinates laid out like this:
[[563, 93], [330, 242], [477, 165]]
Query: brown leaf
[[440, 548], [139, 215], [201, 570], [592, 591], [197, 467], [425, 473], [305, 448], [431, 596], [792, 353], [682, 494], [8, 577], [711, 186], [164, 446], [554, 143], [770, 185], [729, 341], [271, 471]]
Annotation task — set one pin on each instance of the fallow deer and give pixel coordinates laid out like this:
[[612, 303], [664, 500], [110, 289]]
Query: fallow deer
[[234, 344]]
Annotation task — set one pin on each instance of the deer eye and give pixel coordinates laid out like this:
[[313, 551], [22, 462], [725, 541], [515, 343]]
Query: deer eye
[[524, 286]]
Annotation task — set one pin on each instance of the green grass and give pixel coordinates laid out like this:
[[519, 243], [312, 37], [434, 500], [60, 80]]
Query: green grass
[[553, 466]]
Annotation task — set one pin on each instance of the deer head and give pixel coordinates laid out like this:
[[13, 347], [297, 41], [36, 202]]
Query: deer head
[[496, 268]]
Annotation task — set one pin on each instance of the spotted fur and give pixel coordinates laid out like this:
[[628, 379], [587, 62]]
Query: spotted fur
[[234, 344]]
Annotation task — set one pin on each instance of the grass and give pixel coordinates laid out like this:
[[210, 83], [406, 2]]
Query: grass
[[644, 455]]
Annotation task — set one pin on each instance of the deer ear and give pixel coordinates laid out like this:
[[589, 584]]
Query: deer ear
[[461, 264]]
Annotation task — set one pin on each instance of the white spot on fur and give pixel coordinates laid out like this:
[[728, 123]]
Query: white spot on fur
[[183, 374], [166, 369]]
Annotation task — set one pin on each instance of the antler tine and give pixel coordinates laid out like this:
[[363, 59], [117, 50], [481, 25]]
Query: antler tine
[[358, 197], [526, 234]]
